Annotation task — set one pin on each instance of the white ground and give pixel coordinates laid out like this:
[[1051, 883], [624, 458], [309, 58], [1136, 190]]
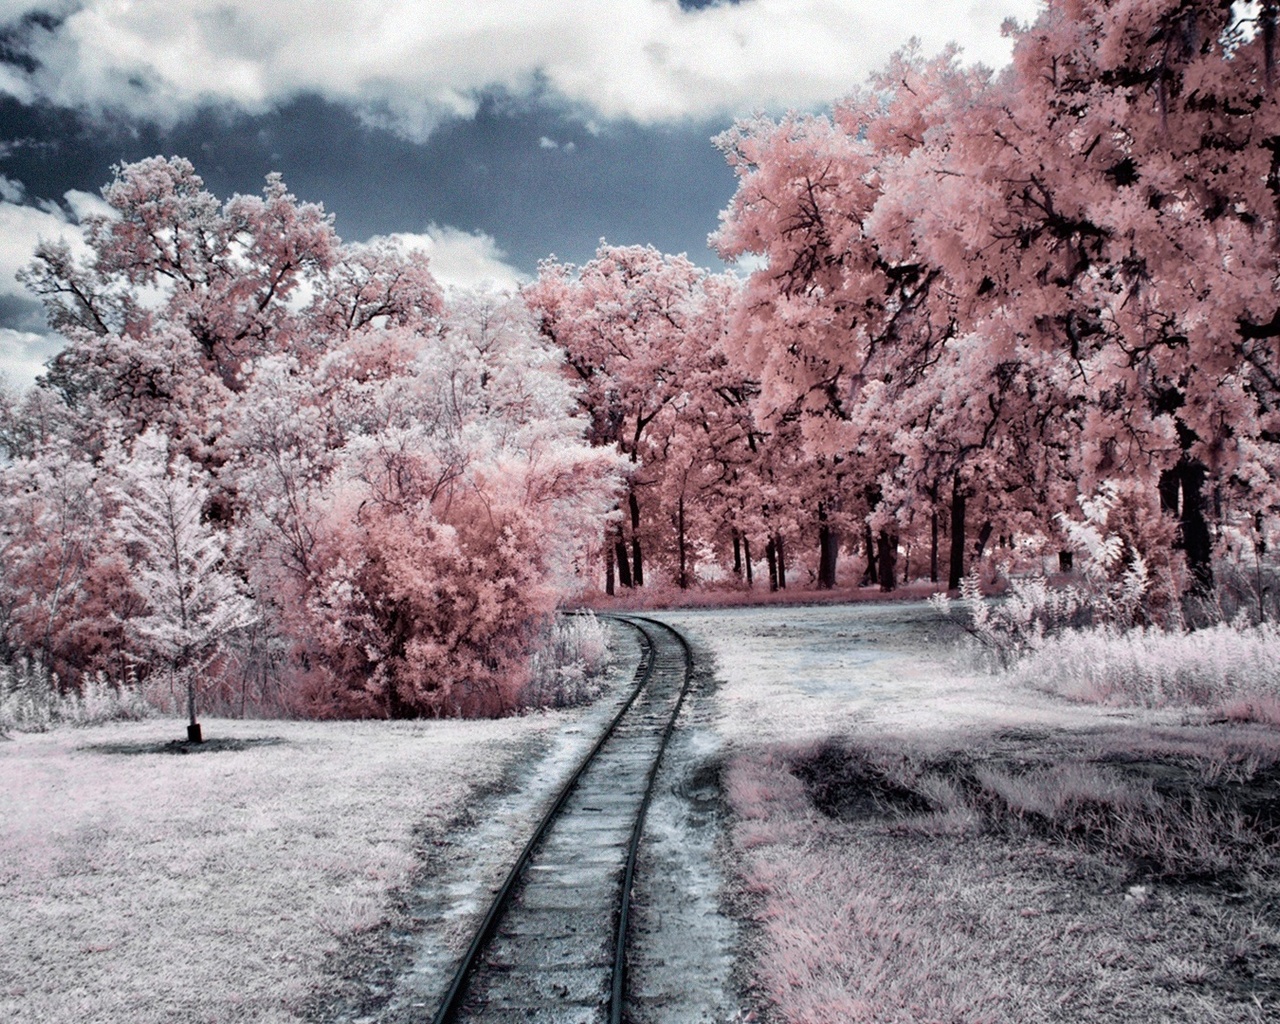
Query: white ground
[[154, 887], [789, 674], [845, 930]]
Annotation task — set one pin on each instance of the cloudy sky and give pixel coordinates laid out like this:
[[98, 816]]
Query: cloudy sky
[[495, 132]]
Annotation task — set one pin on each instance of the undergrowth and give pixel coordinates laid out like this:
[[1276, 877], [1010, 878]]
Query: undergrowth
[[1113, 635], [31, 701], [1013, 877], [569, 664], [1232, 671], [1201, 811]]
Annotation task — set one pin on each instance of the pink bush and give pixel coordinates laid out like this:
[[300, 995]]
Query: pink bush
[[414, 616]]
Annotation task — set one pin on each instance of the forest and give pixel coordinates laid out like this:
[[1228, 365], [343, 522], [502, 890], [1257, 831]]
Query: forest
[[972, 313]]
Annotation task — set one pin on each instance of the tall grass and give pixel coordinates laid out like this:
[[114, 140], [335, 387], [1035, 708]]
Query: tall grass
[[1232, 670], [31, 701], [1114, 635], [897, 879], [569, 664]]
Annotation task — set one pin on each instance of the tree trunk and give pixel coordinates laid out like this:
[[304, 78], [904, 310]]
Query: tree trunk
[[888, 558], [956, 569], [782, 562], [871, 574], [737, 554], [684, 555], [1182, 494], [1170, 485], [828, 552], [1196, 538], [398, 630], [771, 556], [608, 569], [984, 535], [624, 564], [193, 727], [746, 558], [637, 566], [933, 547]]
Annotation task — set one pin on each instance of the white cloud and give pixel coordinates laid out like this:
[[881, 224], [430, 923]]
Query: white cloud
[[411, 63], [747, 264], [462, 259], [12, 10], [11, 191], [546, 143], [22, 227], [23, 354], [87, 204]]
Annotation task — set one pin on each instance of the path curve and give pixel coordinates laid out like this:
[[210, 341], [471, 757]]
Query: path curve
[[552, 946]]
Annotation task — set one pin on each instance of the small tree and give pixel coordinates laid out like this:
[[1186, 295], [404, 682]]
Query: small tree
[[193, 603]]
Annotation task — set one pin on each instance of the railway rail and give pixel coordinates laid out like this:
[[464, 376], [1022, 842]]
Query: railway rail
[[553, 944]]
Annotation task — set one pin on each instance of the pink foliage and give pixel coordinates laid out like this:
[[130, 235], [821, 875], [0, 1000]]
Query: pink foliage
[[974, 298], [645, 334], [64, 597], [418, 617], [1003, 290], [402, 487]]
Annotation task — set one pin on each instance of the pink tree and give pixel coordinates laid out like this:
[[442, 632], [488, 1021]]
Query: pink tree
[[641, 330], [1092, 223], [58, 560], [404, 488], [840, 320], [1109, 203], [447, 536]]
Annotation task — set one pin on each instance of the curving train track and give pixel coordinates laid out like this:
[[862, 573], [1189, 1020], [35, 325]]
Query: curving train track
[[552, 946]]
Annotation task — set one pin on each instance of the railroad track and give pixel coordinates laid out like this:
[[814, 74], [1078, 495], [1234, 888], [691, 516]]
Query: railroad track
[[552, 947]]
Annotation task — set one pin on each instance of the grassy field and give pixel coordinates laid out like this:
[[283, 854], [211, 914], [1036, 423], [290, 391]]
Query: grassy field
[[1121, 875], [909, 841], [914, 840], [240, 883]]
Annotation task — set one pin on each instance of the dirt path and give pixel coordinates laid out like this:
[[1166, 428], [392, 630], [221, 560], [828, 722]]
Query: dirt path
[[765, 676], [684, 945]]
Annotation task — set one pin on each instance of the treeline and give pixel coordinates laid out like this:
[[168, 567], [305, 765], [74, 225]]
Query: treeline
[[977, 299], [286, 467]]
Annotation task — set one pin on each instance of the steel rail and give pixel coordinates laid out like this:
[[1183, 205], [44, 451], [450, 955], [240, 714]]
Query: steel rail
[[633, 849], [453, 998]]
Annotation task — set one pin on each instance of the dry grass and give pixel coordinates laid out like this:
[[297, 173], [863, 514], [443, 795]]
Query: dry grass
[[1233, 671], [982, 851], [1123, 874], [30, 701], [569, 664], [142, 886]]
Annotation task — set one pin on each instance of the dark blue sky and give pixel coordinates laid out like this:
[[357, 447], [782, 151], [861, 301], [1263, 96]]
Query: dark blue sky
[[500, 131], [634, 184]]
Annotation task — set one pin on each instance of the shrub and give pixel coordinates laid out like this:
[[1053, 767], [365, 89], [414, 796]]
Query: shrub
[[1020, 623], [1115, 589], [1230, 669]]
